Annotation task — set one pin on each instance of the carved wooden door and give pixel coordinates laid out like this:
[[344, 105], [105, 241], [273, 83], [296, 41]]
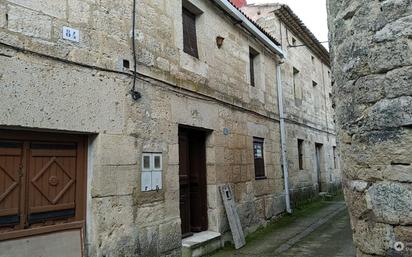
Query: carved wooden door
[[42, 183]]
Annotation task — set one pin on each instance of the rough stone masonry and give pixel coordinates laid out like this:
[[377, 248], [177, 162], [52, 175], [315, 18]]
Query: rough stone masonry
[[371, 47]]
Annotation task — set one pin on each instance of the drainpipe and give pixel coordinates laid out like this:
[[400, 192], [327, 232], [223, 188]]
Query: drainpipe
[[283, 136]]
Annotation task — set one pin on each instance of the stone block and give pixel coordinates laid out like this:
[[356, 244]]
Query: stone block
[[391, 202], [117, 150], [150, 214], [399, 28], [373, 238], [169, 236], [55, 8], [29, 23], [3, 12], [174, 154], [148, 241], [114, 180], [404, 236], [79, 11]]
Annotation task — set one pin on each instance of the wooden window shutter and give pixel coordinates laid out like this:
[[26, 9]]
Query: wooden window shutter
[[189, 33]]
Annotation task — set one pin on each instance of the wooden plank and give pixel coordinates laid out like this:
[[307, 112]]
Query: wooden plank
[[232, 216]]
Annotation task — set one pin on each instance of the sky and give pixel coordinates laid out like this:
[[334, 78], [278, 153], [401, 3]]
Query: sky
[[311, 12]]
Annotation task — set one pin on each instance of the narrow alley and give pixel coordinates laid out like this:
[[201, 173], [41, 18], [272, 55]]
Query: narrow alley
[[321, 230]]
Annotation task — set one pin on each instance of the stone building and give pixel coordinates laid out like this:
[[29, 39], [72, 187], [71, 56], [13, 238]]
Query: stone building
[[372, 58], [96, 159], [309, 114]]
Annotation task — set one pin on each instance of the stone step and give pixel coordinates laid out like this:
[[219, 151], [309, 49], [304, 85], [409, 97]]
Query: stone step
[[201, 244]]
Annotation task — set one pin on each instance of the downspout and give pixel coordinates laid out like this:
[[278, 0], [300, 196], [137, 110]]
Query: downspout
[[283, 136]]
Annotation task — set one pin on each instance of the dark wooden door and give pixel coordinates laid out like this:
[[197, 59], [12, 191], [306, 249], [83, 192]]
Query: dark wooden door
[[42, 183], [192, 179], [184, 181], [198, 198]]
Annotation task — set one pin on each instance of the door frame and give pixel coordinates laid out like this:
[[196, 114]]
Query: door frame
[[204, 195], [81, 197]]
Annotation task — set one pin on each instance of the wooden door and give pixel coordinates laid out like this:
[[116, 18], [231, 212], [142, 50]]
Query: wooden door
[[10, 183], [184, 182], [52, 173], [192, 180], [42, 183], [198, 198]]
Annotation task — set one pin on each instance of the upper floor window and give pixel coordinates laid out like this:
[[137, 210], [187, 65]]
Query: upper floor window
[[253, 54], [297, 91], [314, 83], [259, 159], [294, 42], [189, 33]]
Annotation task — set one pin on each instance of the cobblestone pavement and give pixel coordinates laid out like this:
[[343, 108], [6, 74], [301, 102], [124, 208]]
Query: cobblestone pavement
[[321, 233]]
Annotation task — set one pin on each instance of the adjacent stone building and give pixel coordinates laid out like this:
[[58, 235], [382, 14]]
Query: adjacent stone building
[[310, 126], [372, 56], [80, 158]]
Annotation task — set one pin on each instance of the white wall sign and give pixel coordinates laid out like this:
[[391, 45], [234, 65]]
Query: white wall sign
[[71, 34], [152, 169]]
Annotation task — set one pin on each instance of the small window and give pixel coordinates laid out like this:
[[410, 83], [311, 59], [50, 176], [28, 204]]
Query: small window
[[335, 161], [252, 65], [300, 153], [189, 33], [293, 41], [314, 84], [313, 59], [259, 158], [328, 74], [295, 85]]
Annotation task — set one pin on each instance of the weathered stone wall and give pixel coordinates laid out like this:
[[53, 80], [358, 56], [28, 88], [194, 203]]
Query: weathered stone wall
[[50, 84], [47, 83], [308, 109], [372, 57]]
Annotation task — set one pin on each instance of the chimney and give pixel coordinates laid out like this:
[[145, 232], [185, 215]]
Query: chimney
[[239, 3]]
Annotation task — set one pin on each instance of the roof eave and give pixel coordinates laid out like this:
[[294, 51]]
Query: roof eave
[[249, 26]]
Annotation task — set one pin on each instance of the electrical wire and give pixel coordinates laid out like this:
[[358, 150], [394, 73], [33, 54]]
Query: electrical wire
[[135, 94]]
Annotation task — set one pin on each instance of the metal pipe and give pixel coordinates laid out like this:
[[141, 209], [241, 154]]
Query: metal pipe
[[283, 136], [249, 26]]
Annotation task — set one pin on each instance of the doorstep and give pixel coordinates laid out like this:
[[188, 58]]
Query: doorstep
[[201, 244]]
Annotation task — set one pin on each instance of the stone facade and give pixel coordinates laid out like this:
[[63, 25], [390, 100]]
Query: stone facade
[[308, 107], [51, 84], [371, 53]]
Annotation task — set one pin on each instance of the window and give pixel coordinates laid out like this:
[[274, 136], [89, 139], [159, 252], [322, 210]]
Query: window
[[293, 41], [259, 159], [189, 33], [335, 161], [296, 89], [313, 59], [300, 153], [314, 84], [252, 64]]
